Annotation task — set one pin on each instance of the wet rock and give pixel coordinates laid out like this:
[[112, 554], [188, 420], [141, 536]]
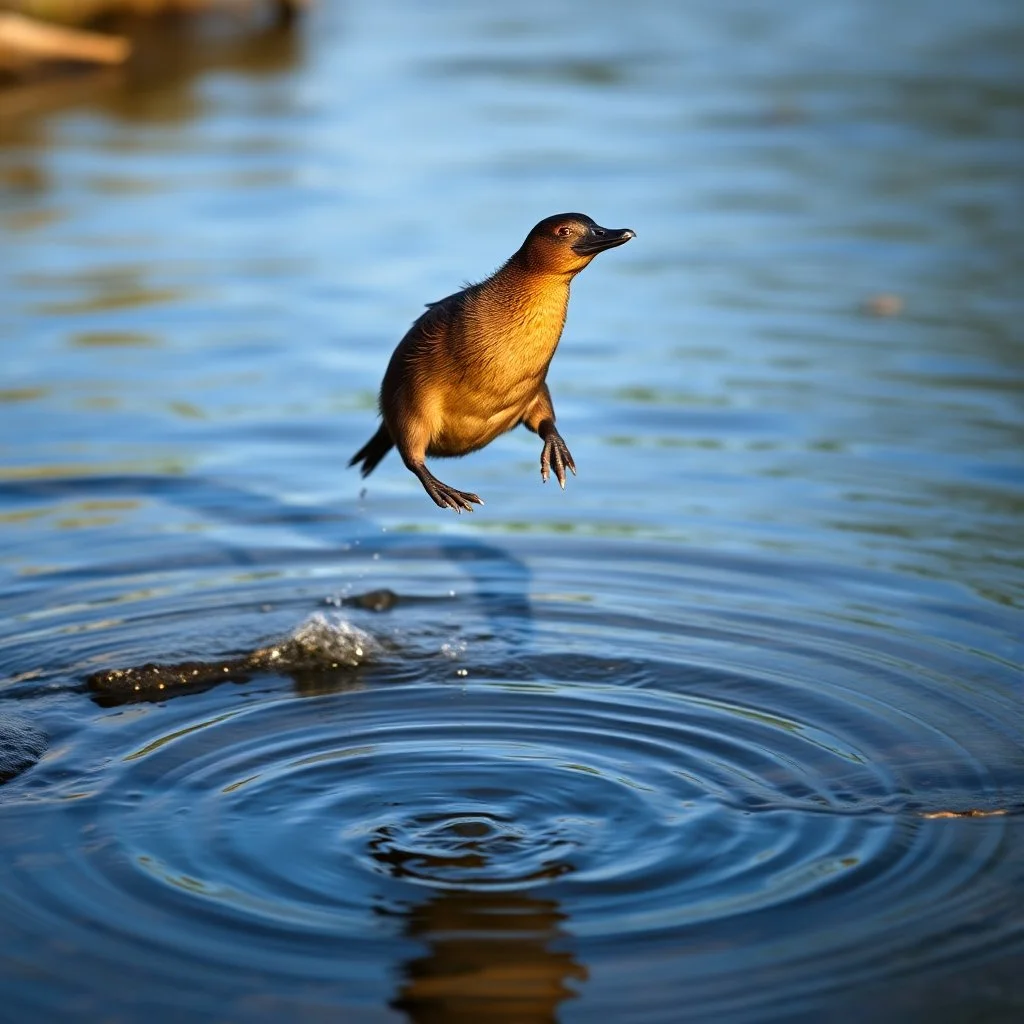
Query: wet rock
[[320, 644], [21, 745], [155, 677], [373, 601]]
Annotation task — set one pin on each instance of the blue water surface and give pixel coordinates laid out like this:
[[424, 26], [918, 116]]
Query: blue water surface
[[732, 729]]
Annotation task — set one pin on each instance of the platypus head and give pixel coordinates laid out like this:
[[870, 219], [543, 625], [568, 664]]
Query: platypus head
[[567, 242]]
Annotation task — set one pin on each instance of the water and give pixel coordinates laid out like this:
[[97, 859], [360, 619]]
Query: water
[[678, 743]]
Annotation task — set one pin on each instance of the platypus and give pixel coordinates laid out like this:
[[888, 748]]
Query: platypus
[[473, 366]]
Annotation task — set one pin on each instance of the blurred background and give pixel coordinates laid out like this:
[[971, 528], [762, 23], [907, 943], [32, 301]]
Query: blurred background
[[210, 251], [795, 405]]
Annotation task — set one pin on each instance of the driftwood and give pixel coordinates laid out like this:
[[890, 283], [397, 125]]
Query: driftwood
[[25, 43], [41, 35], [84, 12]]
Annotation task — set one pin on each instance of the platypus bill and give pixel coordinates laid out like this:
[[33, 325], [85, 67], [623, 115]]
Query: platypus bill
[[473, 365]]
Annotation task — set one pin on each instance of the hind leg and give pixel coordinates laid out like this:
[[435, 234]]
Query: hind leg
[[413, 449], [443, 495]]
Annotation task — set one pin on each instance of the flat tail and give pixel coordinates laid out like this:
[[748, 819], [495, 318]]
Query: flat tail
[[373, 451]]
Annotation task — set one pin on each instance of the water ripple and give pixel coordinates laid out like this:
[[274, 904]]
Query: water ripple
[[747, 778]]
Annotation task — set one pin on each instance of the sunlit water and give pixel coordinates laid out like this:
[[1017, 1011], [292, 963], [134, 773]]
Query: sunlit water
[[668, 746]]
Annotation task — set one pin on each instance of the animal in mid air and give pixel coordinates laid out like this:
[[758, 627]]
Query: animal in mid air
[[473, 366]]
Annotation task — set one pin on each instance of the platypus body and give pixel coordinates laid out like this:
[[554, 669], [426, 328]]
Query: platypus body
[[474, 364]]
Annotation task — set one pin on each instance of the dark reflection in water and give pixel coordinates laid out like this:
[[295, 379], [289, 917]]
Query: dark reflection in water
[[491, 954], [490, 958]]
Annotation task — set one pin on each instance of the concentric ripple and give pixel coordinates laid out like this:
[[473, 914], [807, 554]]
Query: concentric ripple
[[568, 813], [530, 801]]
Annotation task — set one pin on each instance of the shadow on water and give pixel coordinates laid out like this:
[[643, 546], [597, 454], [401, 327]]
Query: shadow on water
[[321, 654]]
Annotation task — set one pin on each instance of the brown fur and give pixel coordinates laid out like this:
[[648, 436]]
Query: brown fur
[[473, 366]]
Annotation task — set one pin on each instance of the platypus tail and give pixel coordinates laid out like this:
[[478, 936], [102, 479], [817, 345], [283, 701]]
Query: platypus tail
[[373, 451]]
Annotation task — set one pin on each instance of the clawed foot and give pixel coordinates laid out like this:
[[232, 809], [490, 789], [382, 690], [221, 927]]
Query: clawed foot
[[556, 454], [442, 495], [448, 497]]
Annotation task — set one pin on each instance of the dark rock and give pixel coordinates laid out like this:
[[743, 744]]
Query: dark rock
[[373, 601]]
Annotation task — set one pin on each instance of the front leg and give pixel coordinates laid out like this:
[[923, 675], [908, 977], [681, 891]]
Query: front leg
[[540, 418]]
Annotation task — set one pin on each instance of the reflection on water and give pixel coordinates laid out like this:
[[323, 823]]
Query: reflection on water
[[732, 725], [491, 957], [492, 954]]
